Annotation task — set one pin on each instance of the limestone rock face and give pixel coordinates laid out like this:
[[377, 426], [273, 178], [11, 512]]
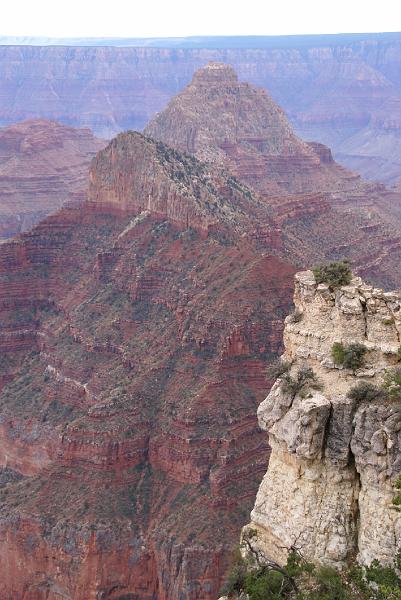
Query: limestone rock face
[[329, 488]]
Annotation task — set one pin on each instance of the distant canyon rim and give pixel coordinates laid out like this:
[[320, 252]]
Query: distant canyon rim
[[341, 90]]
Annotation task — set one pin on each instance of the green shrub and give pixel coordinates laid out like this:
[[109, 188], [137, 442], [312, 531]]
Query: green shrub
[[364, 391], [392, 383], [304, 379], [330, 585], [383, 575], [338, 353], [334, 274], [397, 500], [278, 369], [399, 354], [264, 584], [350, 357], [302, 580]]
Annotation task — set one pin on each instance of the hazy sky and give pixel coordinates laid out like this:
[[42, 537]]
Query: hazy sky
[[154, 18]]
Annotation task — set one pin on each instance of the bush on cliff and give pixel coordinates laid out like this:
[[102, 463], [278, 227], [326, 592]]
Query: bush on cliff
[[258, 578], [304, 379], [350, 357], [365, 392], [392, 383], [278, 369], [335, 274]]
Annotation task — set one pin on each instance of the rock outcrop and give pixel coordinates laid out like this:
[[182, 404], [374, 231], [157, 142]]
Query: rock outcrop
[[321, 210], [330, 485], [222, 120], [43, 164]]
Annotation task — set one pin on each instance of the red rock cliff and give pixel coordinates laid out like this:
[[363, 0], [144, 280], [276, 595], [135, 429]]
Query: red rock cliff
[[129, 442], [43, 164]]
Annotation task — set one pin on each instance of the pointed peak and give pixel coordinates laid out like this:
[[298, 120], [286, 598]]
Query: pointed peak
[[215, 72]]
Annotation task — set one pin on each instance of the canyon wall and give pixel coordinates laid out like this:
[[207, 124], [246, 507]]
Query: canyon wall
[[43, 164], [342, 91], [135, 333], [330, 486], [136, 329], [318, 209]]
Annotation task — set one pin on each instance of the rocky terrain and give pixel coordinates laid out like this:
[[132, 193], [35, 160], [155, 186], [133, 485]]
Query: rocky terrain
[[135, 336], [222, 120], [136, 329], [343, 91], [331, 486], [321, 209], [43, 164]]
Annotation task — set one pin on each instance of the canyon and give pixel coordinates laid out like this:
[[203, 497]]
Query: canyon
[[43, 164], [132, 365], [137, 325], [318, 209], [343, 91]]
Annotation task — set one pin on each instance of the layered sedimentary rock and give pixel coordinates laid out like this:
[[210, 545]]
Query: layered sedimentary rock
[[330, 485], [136, 330], [321, 209], [341, 90], [43, 164], [222, 120]]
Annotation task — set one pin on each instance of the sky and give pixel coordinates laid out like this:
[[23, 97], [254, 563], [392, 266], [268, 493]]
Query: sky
[[181, 18]]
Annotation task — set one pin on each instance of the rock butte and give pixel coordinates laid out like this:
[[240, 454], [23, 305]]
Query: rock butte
[[43, 164], [329, 487], [318, 209]]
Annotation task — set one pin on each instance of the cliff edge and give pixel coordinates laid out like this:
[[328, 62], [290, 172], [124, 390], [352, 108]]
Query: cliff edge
[[334, 426]]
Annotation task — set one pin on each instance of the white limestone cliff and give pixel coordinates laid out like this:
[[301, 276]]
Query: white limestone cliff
[[329, 488]]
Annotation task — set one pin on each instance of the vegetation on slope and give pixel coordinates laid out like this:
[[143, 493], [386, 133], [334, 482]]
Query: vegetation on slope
[[258, 578]]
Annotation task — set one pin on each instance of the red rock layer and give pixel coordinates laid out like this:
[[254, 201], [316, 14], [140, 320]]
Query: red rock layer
[[42, 165], [131, 412]]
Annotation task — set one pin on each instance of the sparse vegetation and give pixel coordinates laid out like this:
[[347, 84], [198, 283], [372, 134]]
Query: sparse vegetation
[[335, 274], [278, 369], [350, 357], [256, 577], [392, 382], [304, 380], [365, 392], [397, 500]]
